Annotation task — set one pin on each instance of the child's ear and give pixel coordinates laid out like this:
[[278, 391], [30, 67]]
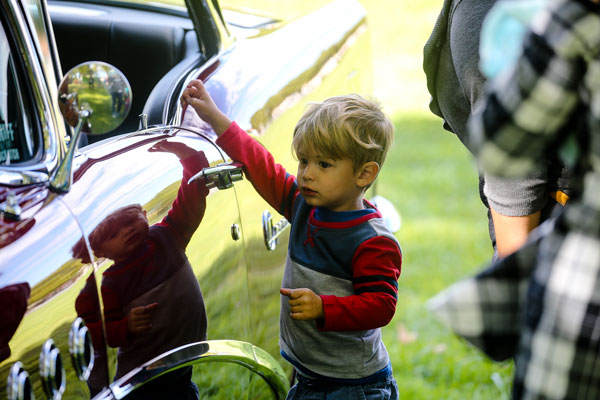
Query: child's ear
[[367, 174]]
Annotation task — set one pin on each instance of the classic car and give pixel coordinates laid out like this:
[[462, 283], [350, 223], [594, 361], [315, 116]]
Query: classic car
[[91, 128]]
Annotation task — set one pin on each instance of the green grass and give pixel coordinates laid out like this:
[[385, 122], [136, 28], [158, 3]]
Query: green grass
[[432, 181]]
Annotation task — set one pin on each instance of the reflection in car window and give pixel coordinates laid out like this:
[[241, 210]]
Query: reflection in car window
[[17, 142]]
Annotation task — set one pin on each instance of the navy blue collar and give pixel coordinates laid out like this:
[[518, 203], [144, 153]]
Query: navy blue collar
[[326, 215]]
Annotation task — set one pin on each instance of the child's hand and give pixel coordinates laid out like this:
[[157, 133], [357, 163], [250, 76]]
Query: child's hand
[[304, 303], [181, 150], [196, 95], [139, 319]]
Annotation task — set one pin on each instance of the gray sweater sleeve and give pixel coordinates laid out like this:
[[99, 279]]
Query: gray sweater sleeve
[[517, 197]]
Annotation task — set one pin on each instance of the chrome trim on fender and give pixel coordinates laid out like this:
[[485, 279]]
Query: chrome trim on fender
[[18, 383], [272, 232], [52, 371], [81, 349], [230, 351]]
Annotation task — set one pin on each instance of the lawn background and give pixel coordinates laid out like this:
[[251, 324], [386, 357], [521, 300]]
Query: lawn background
[[432, 181]]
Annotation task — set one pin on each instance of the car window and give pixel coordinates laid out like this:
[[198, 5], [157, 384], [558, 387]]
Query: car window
[[18, 143]]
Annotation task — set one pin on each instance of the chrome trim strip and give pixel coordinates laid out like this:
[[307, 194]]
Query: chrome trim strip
[[18, 385], [52, 370], [81, 349], [231, 351]]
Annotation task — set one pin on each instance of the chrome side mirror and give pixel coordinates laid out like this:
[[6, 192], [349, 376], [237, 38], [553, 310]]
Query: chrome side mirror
[[94, 98], [101, 90]]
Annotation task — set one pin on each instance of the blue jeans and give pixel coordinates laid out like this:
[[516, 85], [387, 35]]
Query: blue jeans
[[310, 389]]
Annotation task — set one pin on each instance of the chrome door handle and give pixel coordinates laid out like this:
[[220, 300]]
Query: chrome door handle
[[272, 232], [221, 176]]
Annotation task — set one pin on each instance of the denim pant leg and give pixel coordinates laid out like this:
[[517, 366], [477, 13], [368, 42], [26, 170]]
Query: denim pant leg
[[384, 390]]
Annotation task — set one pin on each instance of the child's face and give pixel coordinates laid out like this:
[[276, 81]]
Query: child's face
[[329, 183], [124, 239]]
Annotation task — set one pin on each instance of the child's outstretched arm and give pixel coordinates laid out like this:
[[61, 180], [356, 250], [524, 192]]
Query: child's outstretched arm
[[196, 95], [270, 179], [189, 206]]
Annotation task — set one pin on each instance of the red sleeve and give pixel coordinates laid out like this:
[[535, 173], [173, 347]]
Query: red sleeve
[[269, 179], [117, 334], [376, 269], [189, 206]]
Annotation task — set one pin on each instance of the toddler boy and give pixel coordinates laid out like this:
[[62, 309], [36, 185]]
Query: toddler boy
[[340, 281]]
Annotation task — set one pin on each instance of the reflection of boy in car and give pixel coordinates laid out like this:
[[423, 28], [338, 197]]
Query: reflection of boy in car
[[151, 281], [340, 282]]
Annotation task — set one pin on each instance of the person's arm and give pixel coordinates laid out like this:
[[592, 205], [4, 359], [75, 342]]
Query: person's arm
[[189, 206], [511, 232], [376, 269], [515, 205], [270, 179]]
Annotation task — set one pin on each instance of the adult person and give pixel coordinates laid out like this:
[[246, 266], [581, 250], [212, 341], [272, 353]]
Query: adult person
[[553, 293], [451, 64]]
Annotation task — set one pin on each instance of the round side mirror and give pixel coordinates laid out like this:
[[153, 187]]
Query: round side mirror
[[98, 88]]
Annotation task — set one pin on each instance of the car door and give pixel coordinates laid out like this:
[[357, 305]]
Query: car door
[[188, 223]]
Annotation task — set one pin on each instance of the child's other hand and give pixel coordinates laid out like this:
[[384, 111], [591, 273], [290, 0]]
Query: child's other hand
[[140, 320], [304, 303], [196, 95]]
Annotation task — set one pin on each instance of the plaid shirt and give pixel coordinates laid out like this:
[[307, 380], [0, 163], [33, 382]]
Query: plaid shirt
[[541, 305]]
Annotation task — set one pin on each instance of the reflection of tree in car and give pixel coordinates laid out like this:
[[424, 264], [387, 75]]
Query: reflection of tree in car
[[151, 280]]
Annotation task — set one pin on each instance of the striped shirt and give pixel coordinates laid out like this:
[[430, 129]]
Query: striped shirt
[[353, 265]]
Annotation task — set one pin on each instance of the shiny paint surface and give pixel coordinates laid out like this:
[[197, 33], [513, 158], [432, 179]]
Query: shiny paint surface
[[54, 283], [263, 79]]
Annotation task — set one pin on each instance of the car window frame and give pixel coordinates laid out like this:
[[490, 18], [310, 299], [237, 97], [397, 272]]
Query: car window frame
[[33, 72]]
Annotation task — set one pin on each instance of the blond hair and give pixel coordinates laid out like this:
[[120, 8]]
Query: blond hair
[[349, 126]]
